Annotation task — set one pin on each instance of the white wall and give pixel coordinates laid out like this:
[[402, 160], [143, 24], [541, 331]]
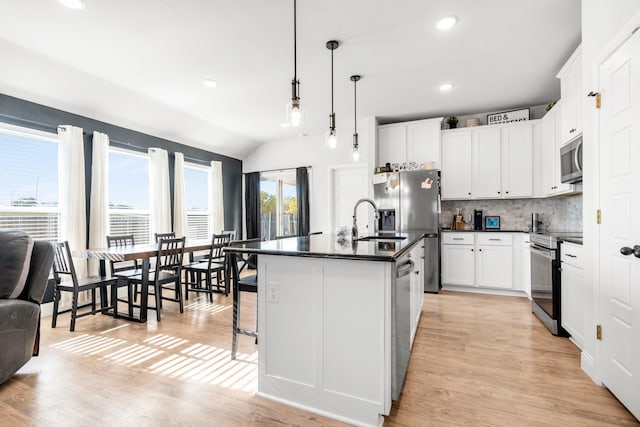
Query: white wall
[[311, 151], [602, 21]]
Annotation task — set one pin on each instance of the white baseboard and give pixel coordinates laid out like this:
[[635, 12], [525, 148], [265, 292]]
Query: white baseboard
[[475, 290]]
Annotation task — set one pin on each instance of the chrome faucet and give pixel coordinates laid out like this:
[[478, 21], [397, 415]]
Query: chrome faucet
[[354, 229]]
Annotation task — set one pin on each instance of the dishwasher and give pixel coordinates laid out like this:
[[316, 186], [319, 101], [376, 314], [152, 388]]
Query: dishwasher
[[401, 323]]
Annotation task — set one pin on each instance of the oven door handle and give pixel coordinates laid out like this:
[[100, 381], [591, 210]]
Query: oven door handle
[[546, 253]]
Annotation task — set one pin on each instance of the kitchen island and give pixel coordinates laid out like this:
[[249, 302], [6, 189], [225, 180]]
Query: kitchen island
[[336, 321]]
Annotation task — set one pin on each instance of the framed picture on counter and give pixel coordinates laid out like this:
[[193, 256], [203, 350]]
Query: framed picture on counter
[[492, 223]]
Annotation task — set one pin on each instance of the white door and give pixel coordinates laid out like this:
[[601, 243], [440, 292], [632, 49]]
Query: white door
[[494, 267], [620, 204], [423, 142], [458, 265], [349, 185]]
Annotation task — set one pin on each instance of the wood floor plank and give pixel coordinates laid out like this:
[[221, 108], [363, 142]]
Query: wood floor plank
[[477, 360]]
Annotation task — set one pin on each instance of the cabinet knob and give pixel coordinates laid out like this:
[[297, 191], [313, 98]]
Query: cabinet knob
[[471, 250], [507, 192], [480, 250], [498, 192], [469, 193]]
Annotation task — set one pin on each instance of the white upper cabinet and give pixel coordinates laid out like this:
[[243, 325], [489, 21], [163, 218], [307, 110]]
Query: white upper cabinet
[[488, 162], [456, 164], [517, 160], [551, 143], [571, 93], [417, 141], [392, 144]]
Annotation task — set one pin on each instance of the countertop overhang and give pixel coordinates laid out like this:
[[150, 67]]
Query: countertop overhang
[[328, 246]]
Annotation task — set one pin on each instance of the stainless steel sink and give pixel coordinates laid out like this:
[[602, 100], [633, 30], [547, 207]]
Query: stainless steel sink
[[382, 238]]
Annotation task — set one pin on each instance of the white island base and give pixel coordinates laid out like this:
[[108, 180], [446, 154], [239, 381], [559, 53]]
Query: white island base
[[325, 336]]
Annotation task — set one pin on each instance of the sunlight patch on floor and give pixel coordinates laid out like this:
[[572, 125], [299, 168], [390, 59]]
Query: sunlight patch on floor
[[207, 307], [165, 341], [88, 344], [133, 355]]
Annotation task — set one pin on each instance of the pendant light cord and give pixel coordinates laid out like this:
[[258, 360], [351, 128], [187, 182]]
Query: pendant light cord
[[332, 81], [355, 114], [295, 45]]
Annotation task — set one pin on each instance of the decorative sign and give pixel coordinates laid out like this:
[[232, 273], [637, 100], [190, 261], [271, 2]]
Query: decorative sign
[[508, 116]]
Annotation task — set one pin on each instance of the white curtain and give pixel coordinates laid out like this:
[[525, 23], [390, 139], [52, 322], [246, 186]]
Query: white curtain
[[179, 201], [159, 197], [71, 195], [216, 202], [99, 207]]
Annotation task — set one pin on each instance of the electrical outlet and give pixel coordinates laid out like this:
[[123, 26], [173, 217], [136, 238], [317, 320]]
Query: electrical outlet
[[273, 292]]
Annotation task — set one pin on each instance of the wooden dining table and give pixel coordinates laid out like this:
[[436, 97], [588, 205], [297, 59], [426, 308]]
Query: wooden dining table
[[135, 252]]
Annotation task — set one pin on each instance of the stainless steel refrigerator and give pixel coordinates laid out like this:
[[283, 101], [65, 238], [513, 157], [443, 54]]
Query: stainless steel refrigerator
[[409, 201]]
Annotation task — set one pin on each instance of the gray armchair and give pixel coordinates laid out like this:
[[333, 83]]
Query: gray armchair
[[20, 306]]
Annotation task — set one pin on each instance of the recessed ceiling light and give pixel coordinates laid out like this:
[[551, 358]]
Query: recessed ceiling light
[[72, 4], [285, 125], [446, 87], [210, 83], [446, 23]]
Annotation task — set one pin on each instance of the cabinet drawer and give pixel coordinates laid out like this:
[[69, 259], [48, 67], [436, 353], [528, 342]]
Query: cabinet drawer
[[494, 239], [457, 238], [572, 254]]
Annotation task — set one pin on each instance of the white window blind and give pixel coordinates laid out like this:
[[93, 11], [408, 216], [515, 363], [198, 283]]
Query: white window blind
[[196, 183], [29, 182], [129, 211]]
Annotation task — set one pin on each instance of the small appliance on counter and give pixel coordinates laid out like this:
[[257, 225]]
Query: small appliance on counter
[[477, 219], [535, 222]]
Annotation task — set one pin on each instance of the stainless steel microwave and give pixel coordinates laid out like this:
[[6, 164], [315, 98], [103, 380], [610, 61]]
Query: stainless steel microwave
[[571, 161]]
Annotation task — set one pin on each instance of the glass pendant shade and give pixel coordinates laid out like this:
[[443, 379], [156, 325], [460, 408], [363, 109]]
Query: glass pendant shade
[[295, 113], [331, 136], [332, 139]]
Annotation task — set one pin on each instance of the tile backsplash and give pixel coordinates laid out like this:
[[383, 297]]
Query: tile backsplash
[[556, 214]]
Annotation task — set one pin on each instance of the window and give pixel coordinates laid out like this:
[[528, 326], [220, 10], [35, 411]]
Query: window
[[29, 182], [196, 188], [278, 204], [129, 211]]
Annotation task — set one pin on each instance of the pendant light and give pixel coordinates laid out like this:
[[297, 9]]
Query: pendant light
[[294, 107], [332, 135], [356, 148]]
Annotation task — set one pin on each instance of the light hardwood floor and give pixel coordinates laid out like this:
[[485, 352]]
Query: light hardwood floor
[[477, 360]]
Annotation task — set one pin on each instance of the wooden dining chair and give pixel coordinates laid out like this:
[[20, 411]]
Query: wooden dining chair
[[63, 266], [203, 271], [124, 268], [166, 275], [170, 235], [240, 282]]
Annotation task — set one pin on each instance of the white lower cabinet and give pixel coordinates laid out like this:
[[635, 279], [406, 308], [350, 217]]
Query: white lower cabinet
[[481, 259], [458, 259], [572, 292]]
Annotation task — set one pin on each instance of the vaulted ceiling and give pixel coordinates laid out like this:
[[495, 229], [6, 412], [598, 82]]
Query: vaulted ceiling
[[140, 64]]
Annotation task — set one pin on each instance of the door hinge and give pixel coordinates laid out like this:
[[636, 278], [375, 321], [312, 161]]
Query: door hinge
[[599, 332], [597, 96], [599, 216]]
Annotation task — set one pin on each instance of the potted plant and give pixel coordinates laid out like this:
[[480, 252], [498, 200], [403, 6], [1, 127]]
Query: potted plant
[[452, 122]]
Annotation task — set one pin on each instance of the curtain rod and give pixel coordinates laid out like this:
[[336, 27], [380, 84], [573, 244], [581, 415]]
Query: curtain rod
[[279, 169], [199, 161]]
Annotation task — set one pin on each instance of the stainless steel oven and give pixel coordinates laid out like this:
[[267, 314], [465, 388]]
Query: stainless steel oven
[[546, 284]]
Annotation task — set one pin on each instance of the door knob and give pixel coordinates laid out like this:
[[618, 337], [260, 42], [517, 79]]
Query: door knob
[[626, 250]]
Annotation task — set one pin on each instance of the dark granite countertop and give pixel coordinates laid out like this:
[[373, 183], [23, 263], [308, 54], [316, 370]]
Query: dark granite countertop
[[485, 231], [576, 240], [328, 246]]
